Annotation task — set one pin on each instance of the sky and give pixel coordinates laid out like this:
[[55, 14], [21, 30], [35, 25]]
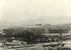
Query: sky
[[21, 10]]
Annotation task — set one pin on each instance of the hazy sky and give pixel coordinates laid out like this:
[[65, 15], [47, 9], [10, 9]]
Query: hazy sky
[[21, 10]]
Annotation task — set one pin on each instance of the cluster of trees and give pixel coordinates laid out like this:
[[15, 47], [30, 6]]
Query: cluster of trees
[[24, 35], [27, 36]]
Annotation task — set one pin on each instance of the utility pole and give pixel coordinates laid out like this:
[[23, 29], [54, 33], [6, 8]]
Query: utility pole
[[13, 35]]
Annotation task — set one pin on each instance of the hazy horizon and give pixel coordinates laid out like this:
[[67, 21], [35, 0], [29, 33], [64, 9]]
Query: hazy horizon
[[22, 10]]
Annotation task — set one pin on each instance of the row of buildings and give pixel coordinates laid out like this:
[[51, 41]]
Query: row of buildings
[[38, 29]]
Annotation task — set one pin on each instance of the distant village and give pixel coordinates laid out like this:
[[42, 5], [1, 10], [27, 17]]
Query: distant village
[[37, 31]]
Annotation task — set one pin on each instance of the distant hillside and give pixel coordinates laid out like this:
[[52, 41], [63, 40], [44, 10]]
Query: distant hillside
[[7, 24], [49, 20]]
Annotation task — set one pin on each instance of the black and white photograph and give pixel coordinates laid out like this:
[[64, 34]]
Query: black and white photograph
[[35, 24]]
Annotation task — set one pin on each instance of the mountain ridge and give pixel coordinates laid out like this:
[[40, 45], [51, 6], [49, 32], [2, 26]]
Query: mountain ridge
[[41, 20]]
